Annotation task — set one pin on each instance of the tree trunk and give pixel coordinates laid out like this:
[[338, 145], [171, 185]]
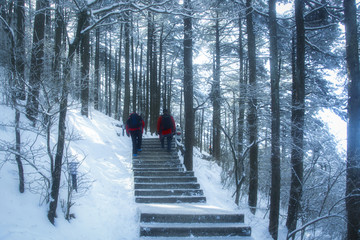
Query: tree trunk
[[148, 67], [56, 174], [59, 29], [14, 91], [85, 65], [37, 55], [161, 43], [169, 91], [134, 79], [109, 70], [120, 72], [297, 119], [20, 49], [154, 111], [18, 150], [127, 69], [252, 115], [353, 143], [106, 80], [275, 124], [201, 126], [141, 84], [216, 95], [97, 69], [116, 81], [239, 166], [165, 85], [188, 88]]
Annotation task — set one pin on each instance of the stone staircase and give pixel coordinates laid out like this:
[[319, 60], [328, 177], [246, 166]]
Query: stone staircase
[[171, 203]]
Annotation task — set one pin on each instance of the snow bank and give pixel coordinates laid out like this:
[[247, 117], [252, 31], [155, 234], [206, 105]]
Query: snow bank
[[107, 210]]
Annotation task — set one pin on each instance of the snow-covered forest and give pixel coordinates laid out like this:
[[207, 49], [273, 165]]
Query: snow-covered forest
[[267, 90]]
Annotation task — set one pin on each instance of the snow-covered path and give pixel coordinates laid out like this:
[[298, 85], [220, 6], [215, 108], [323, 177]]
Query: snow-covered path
[[107, 210]]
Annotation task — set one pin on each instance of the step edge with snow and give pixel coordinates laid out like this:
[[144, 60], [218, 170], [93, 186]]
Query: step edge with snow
[[158, 161], [171, 199], [172, 192], [163, 173], [199, 238], [196, 231], [165, 180], [137, 166], [162, 186], [191, 218], [158, 169]]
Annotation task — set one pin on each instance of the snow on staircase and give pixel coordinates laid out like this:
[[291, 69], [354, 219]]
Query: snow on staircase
[[173, 203]]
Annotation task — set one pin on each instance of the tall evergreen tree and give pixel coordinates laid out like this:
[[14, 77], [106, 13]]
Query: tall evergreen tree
[[37, 60], [20, 48], [85, 67], [149, 60], [275, 124], [252, 113], [216, 92], [96, 87], [239, 174], [188, 87], [353, 131], [126, 109], [297, 120], [58, 38]]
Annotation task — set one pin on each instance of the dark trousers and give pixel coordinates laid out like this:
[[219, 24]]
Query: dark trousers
[[136, 138], [169, 139]]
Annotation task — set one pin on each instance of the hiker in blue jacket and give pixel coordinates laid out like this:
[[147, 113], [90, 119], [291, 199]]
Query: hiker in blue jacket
[[134, 128]]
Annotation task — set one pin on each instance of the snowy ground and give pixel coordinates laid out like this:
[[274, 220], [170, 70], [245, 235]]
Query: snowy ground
[[107, 211]]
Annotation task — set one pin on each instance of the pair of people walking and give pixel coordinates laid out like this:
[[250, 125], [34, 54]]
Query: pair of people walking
[[165, 128]]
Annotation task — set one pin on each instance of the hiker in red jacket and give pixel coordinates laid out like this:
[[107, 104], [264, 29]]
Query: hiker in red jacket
[[135, 127], [166, 128]]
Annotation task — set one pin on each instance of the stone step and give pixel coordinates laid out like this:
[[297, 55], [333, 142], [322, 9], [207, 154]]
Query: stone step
[[163, 169], [159, 151], [197, 238], [154, 166], [162, 186], [194, 230], [191, 218], [171, 199], [146, 160], [160, 178], [147, 164], [152, 140], [165, 179], [147, 155], [157, 161], [163, 173], [156, 145], [176, 192]]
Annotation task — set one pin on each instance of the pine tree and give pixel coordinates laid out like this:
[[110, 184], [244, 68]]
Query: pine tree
[[353, 144]]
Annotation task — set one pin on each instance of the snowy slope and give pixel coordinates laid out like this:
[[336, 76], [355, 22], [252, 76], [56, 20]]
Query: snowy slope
[[107, 210]]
